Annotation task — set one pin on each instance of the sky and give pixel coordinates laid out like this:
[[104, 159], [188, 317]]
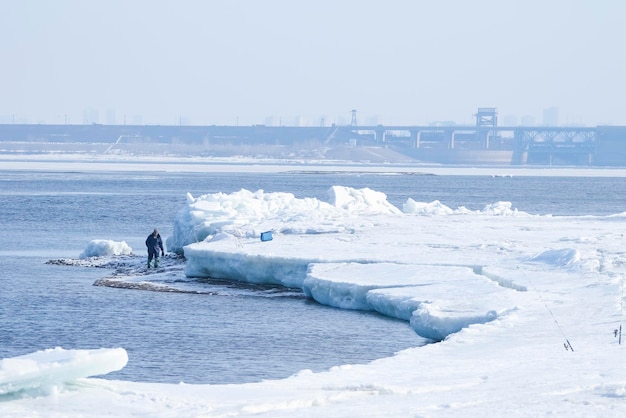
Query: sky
[[281, 62], [525, 307]]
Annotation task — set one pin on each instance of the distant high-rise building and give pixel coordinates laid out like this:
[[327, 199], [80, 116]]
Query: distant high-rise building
[[342, 119], [90, 116], [272, 121], [528, 120], [300, 121], [551, 116], [110, 117], [509, 120], [372, 120]]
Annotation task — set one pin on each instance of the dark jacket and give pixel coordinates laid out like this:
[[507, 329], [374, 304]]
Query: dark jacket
[[154, 244]]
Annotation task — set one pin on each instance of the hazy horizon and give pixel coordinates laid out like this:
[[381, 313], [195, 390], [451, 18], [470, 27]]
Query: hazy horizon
[[310, 63]]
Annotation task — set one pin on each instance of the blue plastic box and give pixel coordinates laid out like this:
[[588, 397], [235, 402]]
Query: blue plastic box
[[266, 236]]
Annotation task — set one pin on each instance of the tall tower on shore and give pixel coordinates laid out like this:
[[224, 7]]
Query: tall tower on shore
[[486, 122], [353, 121], [486, 117]]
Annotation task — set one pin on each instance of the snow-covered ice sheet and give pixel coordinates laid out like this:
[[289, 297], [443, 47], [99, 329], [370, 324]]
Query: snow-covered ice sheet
[[527, 308], [45, 370]]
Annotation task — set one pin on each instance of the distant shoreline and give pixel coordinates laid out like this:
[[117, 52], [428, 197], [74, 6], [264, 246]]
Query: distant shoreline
[[91, 163]]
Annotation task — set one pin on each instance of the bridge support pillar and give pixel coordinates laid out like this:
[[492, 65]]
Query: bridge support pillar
[[416, 137], [380, 136]]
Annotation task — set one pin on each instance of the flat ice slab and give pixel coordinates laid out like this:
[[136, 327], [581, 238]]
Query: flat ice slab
[[56, 366], [437, 300]]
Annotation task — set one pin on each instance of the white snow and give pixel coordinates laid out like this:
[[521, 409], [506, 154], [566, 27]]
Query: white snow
[[45, 370], [524, 309], [103, 247]]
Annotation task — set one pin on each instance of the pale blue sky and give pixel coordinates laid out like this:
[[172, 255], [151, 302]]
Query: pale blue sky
[[227, 61]]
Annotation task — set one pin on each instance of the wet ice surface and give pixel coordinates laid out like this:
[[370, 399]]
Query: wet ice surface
[[131, 272]]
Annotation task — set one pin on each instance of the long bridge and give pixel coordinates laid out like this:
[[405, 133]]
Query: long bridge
[[482, 143], [517, 144], [486, 141]]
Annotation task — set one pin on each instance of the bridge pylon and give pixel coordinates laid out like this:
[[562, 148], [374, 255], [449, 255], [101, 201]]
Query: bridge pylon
[[486, 124], [486, 117]]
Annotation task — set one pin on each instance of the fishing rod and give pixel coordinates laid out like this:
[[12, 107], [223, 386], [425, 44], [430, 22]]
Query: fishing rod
[[566, 344], [618, 332]]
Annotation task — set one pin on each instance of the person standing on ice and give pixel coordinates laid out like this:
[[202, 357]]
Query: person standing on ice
[[154, 244]]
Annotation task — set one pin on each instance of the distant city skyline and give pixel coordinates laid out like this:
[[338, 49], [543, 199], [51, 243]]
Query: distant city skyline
[[247, 62], [549, 117]]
